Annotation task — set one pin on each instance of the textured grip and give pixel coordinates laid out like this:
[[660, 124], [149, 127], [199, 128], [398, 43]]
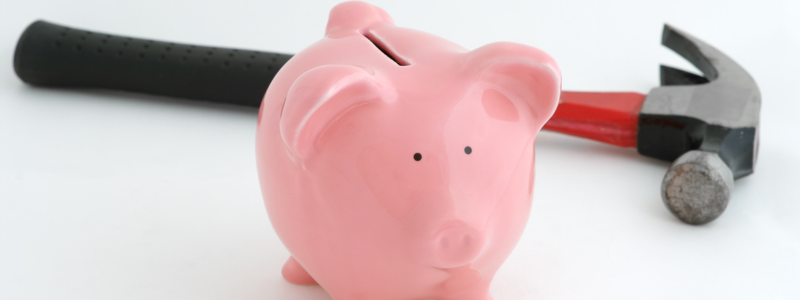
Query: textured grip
[[53, 55]]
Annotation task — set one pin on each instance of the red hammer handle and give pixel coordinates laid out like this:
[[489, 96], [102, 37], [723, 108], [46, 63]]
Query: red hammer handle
[[611, 118]]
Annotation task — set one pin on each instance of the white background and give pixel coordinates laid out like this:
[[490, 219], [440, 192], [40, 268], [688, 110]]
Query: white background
[[107, 195]]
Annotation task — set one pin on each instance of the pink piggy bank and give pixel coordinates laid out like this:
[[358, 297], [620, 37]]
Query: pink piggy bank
[[395, 164]]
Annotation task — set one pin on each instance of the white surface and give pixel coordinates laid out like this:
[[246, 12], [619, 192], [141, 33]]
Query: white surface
[[108, 195]]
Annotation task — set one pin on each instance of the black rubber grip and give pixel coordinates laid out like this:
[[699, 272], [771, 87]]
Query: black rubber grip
[[53, 55]]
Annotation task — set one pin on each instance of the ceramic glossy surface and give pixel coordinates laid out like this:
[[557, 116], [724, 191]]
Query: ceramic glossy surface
[[395, 164]]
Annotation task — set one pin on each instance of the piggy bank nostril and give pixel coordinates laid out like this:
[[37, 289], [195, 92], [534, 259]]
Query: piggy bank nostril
[[456, 245]]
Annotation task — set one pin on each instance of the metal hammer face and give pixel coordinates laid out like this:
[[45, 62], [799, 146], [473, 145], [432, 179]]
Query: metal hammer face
[[708, 127]]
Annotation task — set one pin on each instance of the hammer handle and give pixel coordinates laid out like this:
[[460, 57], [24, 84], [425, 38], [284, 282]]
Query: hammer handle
[[611, 118], [53, 55]]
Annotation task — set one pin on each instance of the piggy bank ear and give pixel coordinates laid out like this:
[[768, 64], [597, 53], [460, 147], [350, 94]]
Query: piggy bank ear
[[522, 71], [321, 95], [355, 16]]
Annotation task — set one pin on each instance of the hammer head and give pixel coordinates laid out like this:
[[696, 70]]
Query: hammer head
[[707, 125]]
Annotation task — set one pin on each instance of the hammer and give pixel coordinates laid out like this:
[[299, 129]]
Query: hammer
[[706, 125]]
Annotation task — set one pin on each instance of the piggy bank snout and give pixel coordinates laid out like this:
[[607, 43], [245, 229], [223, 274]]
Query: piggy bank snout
[[456, 244]]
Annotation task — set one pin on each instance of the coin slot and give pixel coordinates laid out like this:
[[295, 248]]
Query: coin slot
[[385, 50]]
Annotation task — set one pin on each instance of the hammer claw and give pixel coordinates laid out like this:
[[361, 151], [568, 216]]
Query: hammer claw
[[673, 76]]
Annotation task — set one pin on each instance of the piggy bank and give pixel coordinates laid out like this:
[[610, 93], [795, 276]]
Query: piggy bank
[[395, 164]]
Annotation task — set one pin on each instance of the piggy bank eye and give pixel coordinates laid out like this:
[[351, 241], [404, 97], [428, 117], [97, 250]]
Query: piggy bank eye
[[468, 150], [417, 156]]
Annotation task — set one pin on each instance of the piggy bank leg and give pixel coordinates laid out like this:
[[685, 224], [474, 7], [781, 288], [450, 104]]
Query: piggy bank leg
[[479, 291], [295, 273]]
